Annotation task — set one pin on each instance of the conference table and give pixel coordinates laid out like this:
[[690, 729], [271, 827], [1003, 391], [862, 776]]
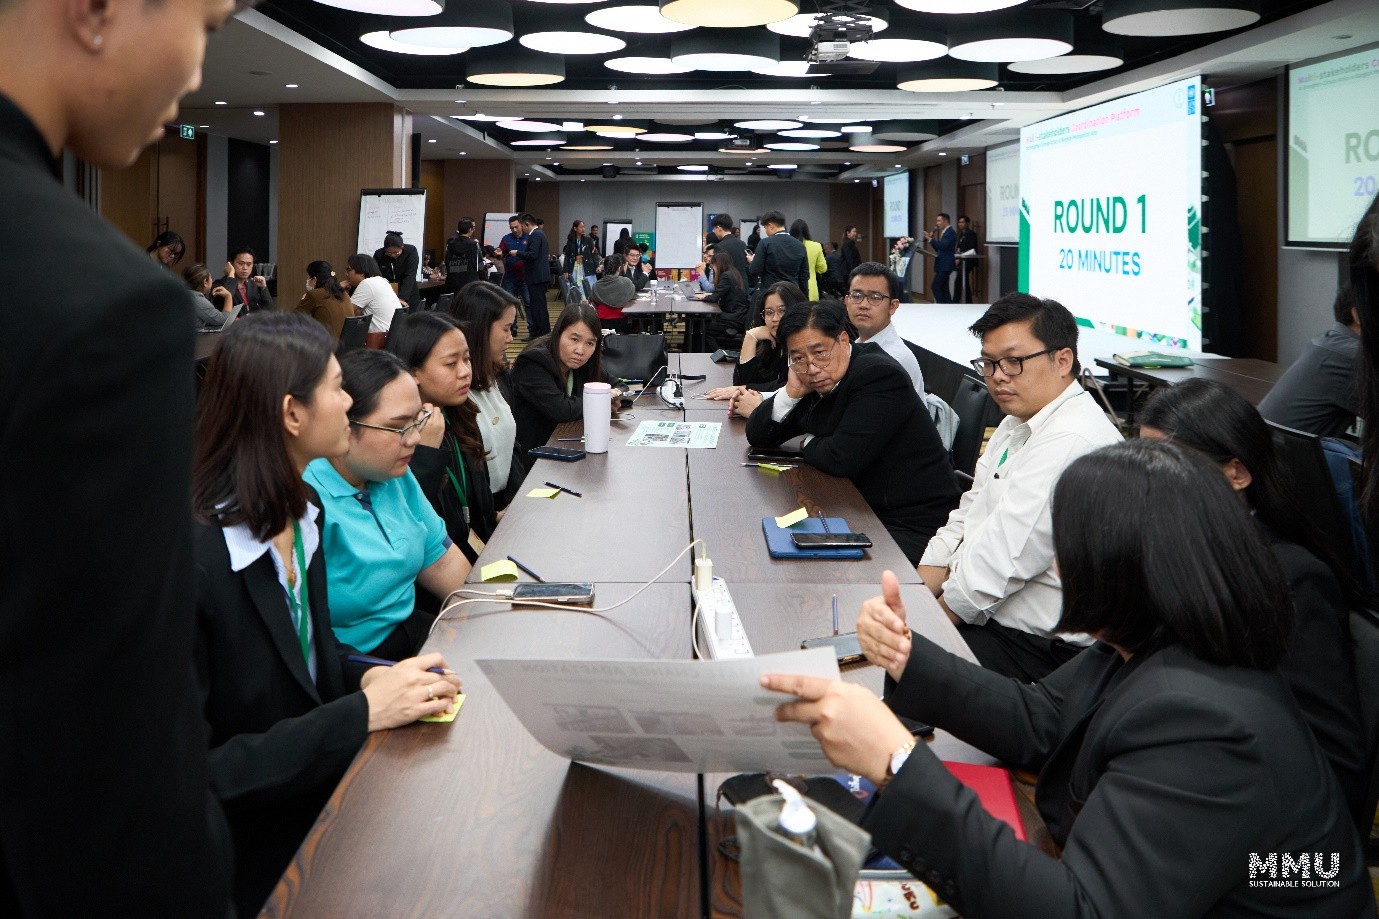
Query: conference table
[[476, 817], [654, 304], [1251, 377]]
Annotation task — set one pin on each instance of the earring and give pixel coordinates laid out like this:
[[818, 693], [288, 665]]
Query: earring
[[96, 41]]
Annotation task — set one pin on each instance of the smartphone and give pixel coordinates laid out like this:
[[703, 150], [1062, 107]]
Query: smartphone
[[564, 454], [555, 593], [831, 540], [845, 646], [766, 455]]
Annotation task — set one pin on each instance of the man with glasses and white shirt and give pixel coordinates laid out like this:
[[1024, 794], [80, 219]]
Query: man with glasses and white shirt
[[991, 565], [873, 297]]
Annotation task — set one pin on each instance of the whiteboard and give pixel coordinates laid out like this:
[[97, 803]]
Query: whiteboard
[[679, 234], [384, 209], [612, 229], [495, 228]]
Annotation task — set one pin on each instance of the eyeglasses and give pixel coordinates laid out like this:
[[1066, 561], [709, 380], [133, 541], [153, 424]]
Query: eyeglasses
[[799, 362], [875, 296], [773, 314], [420, 422], [1010, 366]]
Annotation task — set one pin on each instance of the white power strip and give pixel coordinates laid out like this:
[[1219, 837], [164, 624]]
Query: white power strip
[[720, 630]]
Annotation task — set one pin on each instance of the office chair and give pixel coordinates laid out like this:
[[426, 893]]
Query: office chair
[[353, 334], [971, 403]]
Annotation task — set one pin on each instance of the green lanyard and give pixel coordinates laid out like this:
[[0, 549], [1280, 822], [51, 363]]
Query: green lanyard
[[460, 489], [301, 612]]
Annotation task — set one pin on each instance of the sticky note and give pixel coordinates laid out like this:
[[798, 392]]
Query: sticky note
[[787, 520], [543, 492], [773, 468], [502, 570], [446, 717]]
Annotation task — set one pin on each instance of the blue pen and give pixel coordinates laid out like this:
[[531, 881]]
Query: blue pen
[[380, 662], [835, 614]]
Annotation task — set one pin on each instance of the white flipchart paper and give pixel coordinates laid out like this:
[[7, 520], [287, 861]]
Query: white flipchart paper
[[667, 716]]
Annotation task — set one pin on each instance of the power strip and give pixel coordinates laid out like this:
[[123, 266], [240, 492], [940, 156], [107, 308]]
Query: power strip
[[721, 636]]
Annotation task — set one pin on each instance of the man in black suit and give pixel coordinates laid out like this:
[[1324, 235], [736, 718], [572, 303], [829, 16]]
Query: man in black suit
[[537, 258], [852, 257], [244, 286], [944, 242], [631, 267], [398, 263], [967, 242], [103, 763], [779, 256], [725, 241]]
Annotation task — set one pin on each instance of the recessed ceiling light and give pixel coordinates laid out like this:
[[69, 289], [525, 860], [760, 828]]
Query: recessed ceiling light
[[470, 24], [877, 148], [258, 113], [641, 18], [549, 140], [617, 118], [711, 135], [464, 153], [792, 146], [203, 126], [828, 119], [587, 147], [855, 181], [729, 13], [393, 7], [222, 103], [767, 124], [810, 132], [531, 127], [1014, 36], [941, 153], [573, 41], [649, 65], [855, 128], [380, 39], [290, 86], [665, 138], [482, 117], [1162, 18], [946, 76], [431, 140], [800, 26], [274, 141], [693, 168], [847, 163], [781, 166]]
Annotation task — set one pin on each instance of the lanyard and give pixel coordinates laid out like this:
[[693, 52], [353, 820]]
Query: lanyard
[[460, 489], [300, 612]]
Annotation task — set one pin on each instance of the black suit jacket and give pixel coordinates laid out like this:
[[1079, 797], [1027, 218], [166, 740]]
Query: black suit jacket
[[402, 271], [538, 257], [779, 257], [279, 742], [538, 397], [873, 429], [637, 276], [737, 251], [259, 297], [1158, 778], [96, 391], [852, 257]]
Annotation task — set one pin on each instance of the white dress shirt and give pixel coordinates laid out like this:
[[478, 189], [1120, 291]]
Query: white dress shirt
[[890, 341], [998, 543], [375, 296], [245, 550]]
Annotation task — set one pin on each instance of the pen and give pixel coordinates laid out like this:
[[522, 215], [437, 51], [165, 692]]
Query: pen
[[538, 577], [573, 440], [822, 519], [380, 662], [781, 465], [568, 491], [835, 614]]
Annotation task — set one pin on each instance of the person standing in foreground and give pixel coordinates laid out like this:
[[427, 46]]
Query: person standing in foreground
[[96, 430]]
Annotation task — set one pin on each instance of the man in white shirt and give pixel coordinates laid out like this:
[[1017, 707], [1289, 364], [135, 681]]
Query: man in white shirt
[[872, 298], [991, 565]]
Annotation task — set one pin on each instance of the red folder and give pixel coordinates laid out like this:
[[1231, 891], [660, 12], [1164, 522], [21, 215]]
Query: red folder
[[992, 785]]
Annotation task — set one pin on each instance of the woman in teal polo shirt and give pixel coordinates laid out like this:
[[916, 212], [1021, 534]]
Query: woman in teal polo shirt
[[382, 537]]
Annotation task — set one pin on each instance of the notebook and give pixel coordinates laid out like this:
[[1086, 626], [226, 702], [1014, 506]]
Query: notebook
[[992, 785], [779, 545]]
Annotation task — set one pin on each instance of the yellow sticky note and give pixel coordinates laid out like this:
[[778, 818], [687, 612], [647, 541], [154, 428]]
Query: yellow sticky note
[[502, 570], [788, 520], [446, 717], [772, 468], [543, 492]]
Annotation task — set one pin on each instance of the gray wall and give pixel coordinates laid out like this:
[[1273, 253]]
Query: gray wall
[[597, 200], [1307, 283]]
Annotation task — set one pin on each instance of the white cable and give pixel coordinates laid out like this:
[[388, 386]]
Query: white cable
[[694, 632]]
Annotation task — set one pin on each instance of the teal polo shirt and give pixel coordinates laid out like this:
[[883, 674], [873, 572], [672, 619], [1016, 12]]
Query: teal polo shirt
[[374, 554]]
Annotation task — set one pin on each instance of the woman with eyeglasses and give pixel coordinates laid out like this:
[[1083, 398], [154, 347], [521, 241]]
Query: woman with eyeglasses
[[548, 377], [761, 361], [488, 318], [167, 249], [449, 461], [285, 710], [382, 537], [862, 420], [1223, 426], [1175, 770]]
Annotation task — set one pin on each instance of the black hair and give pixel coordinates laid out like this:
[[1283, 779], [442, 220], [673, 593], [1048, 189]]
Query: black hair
[[528, 218], [575, 314], [775, 218], [1154, 550], [945, 216], [364, 264], [1050, 321], [242, 471], [243, 250], [878, 270], [800, 230], [1364, 285], [631, 247], [849, 228], [725, 221], [464, 226], [324, 276], [723, 266], [573, 235], [624, 233], [392, 238], [517, 217], [613, 263], [1221, 424], [412, 338], [479, 305], [964, 217], [172, 241], [366, 372], [1343, 304], [827, 316]]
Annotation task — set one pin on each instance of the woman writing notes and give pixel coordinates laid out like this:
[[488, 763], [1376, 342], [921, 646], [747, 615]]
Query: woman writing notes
[[1174, 766], [449, 460], [863, 421], [286, 712], [549, 375], [381, 536]]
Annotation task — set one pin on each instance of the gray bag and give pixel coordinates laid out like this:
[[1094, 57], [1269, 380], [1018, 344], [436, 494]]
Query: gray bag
[[782, 879]]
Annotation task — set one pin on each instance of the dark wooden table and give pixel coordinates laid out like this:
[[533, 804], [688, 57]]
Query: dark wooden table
[[1250, 377], [476, 818]]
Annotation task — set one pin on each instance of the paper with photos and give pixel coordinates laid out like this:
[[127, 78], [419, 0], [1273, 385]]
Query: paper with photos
[[668, 716]]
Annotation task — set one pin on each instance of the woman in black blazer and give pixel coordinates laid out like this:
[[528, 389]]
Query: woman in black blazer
[[547, 380], [449, 462], [864, 422], [285, 711], [1176, 774], [730, 293], [1218, 422]]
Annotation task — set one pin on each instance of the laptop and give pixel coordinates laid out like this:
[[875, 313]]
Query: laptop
[[234, 314]]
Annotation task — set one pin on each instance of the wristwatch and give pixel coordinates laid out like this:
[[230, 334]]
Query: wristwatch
[[897, 760]]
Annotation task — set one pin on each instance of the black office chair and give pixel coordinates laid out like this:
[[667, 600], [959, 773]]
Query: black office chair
[[352, 336], [443, 303], [407, 310], [972, 403], [1302, 464], [1364, 647], [572, 295]]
